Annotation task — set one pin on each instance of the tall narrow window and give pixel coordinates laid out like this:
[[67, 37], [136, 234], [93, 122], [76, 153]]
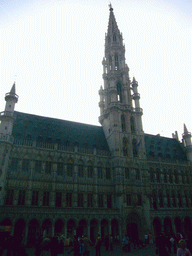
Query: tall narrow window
[[109, 201], [90, 170], [69, 199], [99, 172], [168, 200], [38, 166], [139, 200], [46, 198], [128, 199], [35, 197], [110, 62], [70, 169], [58, 199], [137, 174], [80, 200], [132, 124], [21, 199], [158, 175], [48, 165], [125, 147], [170, 176], [135, 148], [59, 168], [80, 170], [89, 200], [160, 199], [14, 164], [119, 92], [127, 173], [108, 173], [123, 123], [9, 197], [116, 62], [25, 165], [100, 200]]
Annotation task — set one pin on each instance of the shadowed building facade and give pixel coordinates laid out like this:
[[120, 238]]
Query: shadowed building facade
[[62, 176]]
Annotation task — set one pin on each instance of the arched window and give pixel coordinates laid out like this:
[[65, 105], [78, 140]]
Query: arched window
[[132, 124], [134, 146], [116, 61], [154, 200], [99, 171], [186, 198], [125, 147], [123, 123], [114, 38]]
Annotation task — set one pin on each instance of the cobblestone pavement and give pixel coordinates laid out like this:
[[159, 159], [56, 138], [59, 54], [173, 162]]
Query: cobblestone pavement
[[117, 251]]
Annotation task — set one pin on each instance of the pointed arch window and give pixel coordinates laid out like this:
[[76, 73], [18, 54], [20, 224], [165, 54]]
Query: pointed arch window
[[116, 61], [119, 92], [125, 147], [110, 62], [134, 146], [123, 126], [132, 121]]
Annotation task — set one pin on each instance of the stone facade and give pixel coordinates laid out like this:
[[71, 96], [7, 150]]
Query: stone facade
[[60, 176]]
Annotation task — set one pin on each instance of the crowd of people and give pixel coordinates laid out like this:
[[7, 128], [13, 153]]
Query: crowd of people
[[173, 245]]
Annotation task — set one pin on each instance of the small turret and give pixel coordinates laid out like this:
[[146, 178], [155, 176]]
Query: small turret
[[187, 143], [6, 117]]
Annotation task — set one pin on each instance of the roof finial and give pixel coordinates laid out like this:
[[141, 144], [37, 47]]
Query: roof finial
[[110, 7]]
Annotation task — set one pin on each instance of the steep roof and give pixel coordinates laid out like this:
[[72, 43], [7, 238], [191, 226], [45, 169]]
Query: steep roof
[[164, 148], [52, 130]]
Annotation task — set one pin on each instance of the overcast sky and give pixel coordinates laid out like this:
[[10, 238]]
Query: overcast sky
[[54, 49]]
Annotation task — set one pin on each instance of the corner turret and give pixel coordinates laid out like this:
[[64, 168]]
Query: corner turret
[[187, 143]]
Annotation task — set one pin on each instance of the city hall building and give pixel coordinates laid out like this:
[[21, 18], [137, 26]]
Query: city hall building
[[62, 176]]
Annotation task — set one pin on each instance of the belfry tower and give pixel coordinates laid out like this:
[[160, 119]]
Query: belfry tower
[[120, 112]]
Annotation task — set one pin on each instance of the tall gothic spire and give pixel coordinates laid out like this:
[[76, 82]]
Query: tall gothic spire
[[112, 25]]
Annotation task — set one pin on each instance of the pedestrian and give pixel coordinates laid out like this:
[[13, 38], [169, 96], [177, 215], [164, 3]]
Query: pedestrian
[[182, 250], [126, 243], [76, 246], [98, 245], [111, 242], [146, 239], [161, 246], [150, 238], [87, 243], [172, 240], [81, 247], [106, 243]]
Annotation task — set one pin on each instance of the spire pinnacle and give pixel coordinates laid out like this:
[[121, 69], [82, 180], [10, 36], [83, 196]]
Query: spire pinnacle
[[110, 7], [185, 129]]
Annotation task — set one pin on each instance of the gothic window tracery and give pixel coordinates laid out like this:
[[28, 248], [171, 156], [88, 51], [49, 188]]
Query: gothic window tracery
[[119, 92], [116, 61]]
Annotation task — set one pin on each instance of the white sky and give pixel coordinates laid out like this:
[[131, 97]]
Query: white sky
[[54, 49]]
